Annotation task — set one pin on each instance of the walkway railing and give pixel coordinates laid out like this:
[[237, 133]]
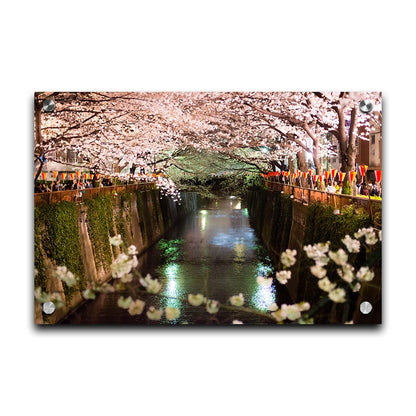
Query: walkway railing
[[309, 196], [45, 198]]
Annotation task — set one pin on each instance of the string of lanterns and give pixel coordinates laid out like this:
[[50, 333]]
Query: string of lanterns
[[328, 174]]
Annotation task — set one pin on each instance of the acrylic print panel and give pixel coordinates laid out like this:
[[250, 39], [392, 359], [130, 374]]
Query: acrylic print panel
[[207, 208]]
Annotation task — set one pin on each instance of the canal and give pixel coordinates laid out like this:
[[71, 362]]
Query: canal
[[215, 252]]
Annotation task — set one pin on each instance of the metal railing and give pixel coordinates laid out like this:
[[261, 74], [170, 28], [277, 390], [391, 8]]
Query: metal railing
[[76, 195], [309, 196]]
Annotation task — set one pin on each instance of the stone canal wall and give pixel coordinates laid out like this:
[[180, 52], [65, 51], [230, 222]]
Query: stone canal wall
[[283, 223], [77, 236]]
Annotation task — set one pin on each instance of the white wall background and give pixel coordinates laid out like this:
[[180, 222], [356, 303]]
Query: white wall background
[[216, 45]]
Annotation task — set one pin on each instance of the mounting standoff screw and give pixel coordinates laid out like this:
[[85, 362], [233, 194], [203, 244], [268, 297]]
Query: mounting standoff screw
[[365, 308], [48, 308], [48, 105], [366, 106]]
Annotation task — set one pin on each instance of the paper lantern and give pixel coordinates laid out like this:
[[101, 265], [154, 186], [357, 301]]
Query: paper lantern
[[352, 175], [63, 175], [314, 177], [78, 174], [55, 174], [43, 175], [91, 175], [86, 175], [363, 170], [108, 176], [326, 174], [277, 173], [72, 175], [98, 175], [378, 175], [320, 178], [310, 172], [305, 175], [333, 173], [341, 176]]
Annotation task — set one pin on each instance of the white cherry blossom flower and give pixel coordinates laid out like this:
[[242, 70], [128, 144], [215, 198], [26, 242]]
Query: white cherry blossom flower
[[283, 276], [353, 246], [136, 307], [273, 307], [237, 300], [326, 285], [292, 312], [132, 250], [318, 271], [154, 314], [365, 274], [124, 303], [280, 315], [339, 257], [88, 294], [63, 274], [288, 257], [346, 273], [355, 286], [196, 300], [121, 266], [212, 306], [151, 285], [317, 252], [116, 240], [127, 278], [337, 295], [172, 313], [264, 281]]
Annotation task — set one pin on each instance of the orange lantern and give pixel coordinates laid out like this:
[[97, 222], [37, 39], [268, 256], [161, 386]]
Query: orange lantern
[[91, 175], [352, 175], [305, 175], [341, 176], [43, 175], [98, 175], [333, 173], [55, 174], [63, 175], [78, 174], [326, 174], [378, 175], [72, 175]]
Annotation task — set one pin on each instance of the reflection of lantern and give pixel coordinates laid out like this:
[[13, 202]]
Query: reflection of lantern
[[352, 175], [63, 175], [333, 173], [326, 174], [55, 174], [378, 175], [43, 175], [341, 176]]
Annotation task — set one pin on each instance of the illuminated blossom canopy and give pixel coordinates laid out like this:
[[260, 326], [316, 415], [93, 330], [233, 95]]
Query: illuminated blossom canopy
[[148, 130]]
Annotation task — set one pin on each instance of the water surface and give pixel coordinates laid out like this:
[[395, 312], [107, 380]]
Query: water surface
[[214, 251]]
